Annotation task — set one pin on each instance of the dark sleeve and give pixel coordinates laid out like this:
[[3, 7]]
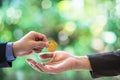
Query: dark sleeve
[[105, 64], [3, 61]]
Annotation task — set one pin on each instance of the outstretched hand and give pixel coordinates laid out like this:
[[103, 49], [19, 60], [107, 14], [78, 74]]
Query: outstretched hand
[[60, 62]]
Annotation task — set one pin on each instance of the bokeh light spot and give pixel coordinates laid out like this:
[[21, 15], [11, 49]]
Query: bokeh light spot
[[109, 37], [18, 33], [46, 4], [63, 37], [98, 44], [70, 27]]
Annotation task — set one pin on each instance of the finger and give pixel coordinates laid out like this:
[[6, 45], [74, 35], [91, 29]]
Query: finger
[[41, 37], [44, 38], [46, 55], [37, 68], [32, 63], [41, 44], [37, 50], [42, 67]]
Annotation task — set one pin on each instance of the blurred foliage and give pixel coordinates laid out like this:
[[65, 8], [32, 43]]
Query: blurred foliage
[[80, 27]]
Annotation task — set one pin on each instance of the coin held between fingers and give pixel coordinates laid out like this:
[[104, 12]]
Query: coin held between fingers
[[52, 46]]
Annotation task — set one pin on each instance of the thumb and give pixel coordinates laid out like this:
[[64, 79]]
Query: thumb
[[46, 55]]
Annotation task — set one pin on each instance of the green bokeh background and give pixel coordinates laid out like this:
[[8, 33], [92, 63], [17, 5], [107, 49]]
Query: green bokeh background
[[80, 27]]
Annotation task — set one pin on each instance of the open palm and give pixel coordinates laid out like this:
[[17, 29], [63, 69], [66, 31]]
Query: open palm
[[60, 61]]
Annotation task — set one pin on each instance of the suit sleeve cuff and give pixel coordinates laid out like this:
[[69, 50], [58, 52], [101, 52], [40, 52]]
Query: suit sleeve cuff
[[9, 52], [105, 64]]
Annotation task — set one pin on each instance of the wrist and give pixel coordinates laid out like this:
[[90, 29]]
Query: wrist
[[82, 63], [15, 49]]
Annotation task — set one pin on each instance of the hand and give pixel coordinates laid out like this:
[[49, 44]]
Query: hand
[[60, 62], [32, 41]]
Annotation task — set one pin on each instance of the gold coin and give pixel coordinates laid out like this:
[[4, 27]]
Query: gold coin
[[52, 46]]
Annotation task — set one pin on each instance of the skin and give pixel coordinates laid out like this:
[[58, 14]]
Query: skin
[[33, 41], [60, 62]]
